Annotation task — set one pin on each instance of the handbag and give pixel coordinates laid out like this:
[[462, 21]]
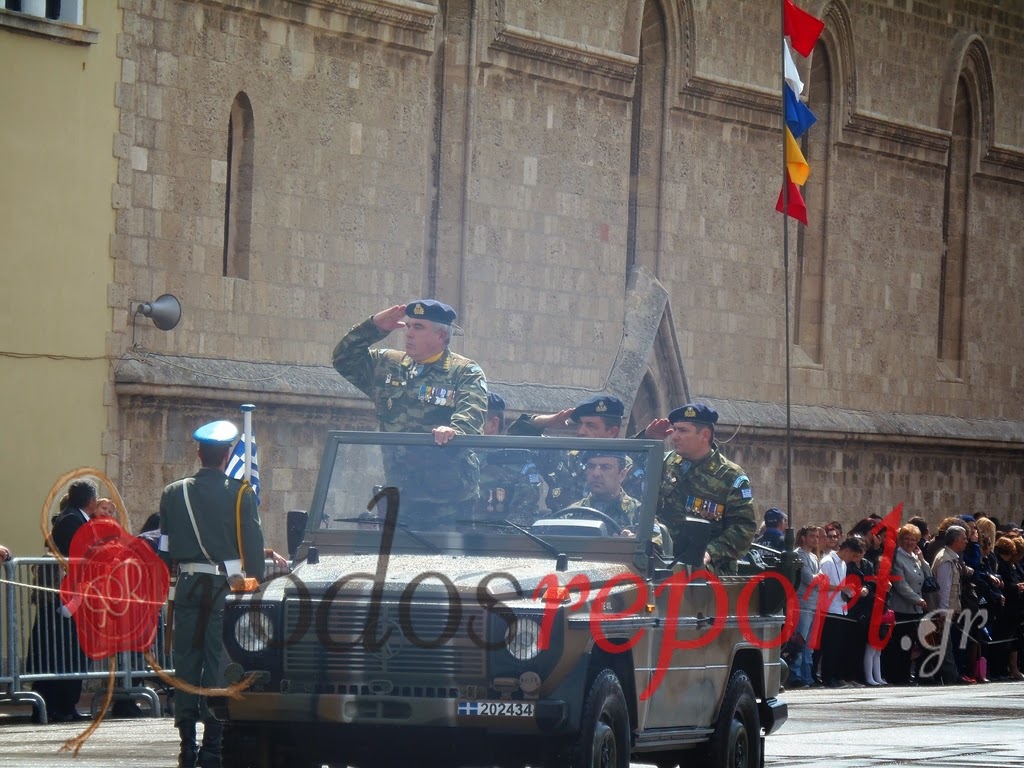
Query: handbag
[[929, 585]]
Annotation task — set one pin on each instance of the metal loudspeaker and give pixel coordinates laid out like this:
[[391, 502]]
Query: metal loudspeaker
[[164, 311]]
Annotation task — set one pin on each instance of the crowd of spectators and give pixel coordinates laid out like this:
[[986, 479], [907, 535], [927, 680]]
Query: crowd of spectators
[[949, 612]]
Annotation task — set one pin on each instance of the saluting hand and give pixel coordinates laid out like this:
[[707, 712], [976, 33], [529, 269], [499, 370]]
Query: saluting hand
[[391, 318], [549, 420], [658, 429]]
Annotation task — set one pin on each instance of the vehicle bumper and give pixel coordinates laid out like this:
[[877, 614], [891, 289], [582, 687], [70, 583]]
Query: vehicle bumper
[[773, 714], [346, 709]]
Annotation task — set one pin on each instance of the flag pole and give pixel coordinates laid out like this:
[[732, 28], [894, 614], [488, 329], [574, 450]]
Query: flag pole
[[247, 410], [785, 270]]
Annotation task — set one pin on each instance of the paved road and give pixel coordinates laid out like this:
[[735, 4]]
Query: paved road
[[963, 727]]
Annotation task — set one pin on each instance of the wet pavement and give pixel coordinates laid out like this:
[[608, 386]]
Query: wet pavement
[[976, 726]]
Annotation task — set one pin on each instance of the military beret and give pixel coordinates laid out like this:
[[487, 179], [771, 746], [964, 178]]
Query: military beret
[[495, 402], [774, 515], [216, 433], [593, 453], [697, 412], [429, 309], [599, 405]]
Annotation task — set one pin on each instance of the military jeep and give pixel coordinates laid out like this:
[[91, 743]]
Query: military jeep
[[419, 629]]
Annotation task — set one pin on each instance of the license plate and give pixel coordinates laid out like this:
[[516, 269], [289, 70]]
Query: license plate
[[495, 709]]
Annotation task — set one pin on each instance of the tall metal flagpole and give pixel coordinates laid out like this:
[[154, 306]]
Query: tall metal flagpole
[[247, 410], [785, 266]]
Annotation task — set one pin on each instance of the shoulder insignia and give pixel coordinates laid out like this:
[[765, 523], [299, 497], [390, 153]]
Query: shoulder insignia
[[740, 480]]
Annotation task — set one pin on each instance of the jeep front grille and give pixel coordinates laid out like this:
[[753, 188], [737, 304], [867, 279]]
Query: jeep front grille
[[333, 646]]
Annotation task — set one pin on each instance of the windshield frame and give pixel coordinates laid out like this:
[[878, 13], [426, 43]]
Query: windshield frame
[[652, 450]]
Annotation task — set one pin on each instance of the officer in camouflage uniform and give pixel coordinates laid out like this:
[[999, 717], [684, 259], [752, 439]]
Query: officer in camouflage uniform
[[509, 478], [425, 388], [597, 416], [698, 481], [605, 473], [205, 503]]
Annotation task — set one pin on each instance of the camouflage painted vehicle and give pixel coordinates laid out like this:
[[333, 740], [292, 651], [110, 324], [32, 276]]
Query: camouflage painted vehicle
[[409, 635]]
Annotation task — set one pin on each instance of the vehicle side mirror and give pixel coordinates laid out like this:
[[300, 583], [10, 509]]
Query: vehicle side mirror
[[296, 525]]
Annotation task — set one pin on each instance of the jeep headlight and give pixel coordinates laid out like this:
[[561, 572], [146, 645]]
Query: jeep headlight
[[523, 638], [254, 631]]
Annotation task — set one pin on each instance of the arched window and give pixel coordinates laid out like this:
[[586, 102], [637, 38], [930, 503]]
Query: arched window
[[643, 227], [238, 192], [812, 240], [954, 237]]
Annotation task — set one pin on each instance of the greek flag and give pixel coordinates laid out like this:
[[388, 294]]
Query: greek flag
[[236, 465]]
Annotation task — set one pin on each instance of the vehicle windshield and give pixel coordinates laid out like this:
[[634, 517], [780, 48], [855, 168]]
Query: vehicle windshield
[[552, 486]]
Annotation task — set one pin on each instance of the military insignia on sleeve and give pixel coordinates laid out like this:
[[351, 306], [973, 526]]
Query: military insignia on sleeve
[[746, 493]]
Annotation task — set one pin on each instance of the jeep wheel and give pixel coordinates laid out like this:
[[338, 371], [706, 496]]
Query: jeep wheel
[[603, 741], [736, 742]]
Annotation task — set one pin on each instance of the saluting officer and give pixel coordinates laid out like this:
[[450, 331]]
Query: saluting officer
[[597, 416], [426, 388], [199, 533], [698, 480]]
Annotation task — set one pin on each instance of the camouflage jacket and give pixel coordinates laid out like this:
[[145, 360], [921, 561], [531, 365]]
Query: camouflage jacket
[[717, 490], [624, 509], [509, 488], [409, 396]]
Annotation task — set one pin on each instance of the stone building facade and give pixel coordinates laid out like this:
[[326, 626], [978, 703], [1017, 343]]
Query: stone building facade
[[592, 185]]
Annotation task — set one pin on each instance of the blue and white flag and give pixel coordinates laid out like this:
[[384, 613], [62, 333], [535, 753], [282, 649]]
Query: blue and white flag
[[236, 465]]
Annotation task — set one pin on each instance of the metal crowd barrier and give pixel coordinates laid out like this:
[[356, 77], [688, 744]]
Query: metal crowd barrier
[[39, 644]]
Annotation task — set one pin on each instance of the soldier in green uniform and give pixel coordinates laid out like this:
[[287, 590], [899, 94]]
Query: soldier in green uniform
[[697, 480], [605, 473], [426, 388], [597, 416], [198, 529], [509, 479]]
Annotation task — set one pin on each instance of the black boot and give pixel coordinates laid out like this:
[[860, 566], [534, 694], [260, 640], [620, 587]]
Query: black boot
[[209, 753], [187, 732]]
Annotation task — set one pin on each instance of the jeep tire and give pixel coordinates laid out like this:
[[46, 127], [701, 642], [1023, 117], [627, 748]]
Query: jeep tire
[[603, 740], [736, 742]]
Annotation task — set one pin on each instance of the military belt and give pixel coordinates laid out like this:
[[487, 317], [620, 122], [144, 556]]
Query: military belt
[[194, 568]]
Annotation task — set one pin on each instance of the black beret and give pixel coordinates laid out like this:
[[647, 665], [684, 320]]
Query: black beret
[[495, 402], [429, 309], [599, 405], [702, 414], [774, 515], [593, 453]]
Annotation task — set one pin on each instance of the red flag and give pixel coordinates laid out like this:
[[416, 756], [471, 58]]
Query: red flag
[[802, 28], [796, 209]]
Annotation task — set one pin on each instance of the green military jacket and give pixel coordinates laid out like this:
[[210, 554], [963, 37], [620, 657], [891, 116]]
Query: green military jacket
[[563, 471], [717, 490], [623, 509], [509, 487], [409, 396], [213, 496]]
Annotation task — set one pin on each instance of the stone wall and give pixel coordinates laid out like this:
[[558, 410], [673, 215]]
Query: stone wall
[[482, 153]]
